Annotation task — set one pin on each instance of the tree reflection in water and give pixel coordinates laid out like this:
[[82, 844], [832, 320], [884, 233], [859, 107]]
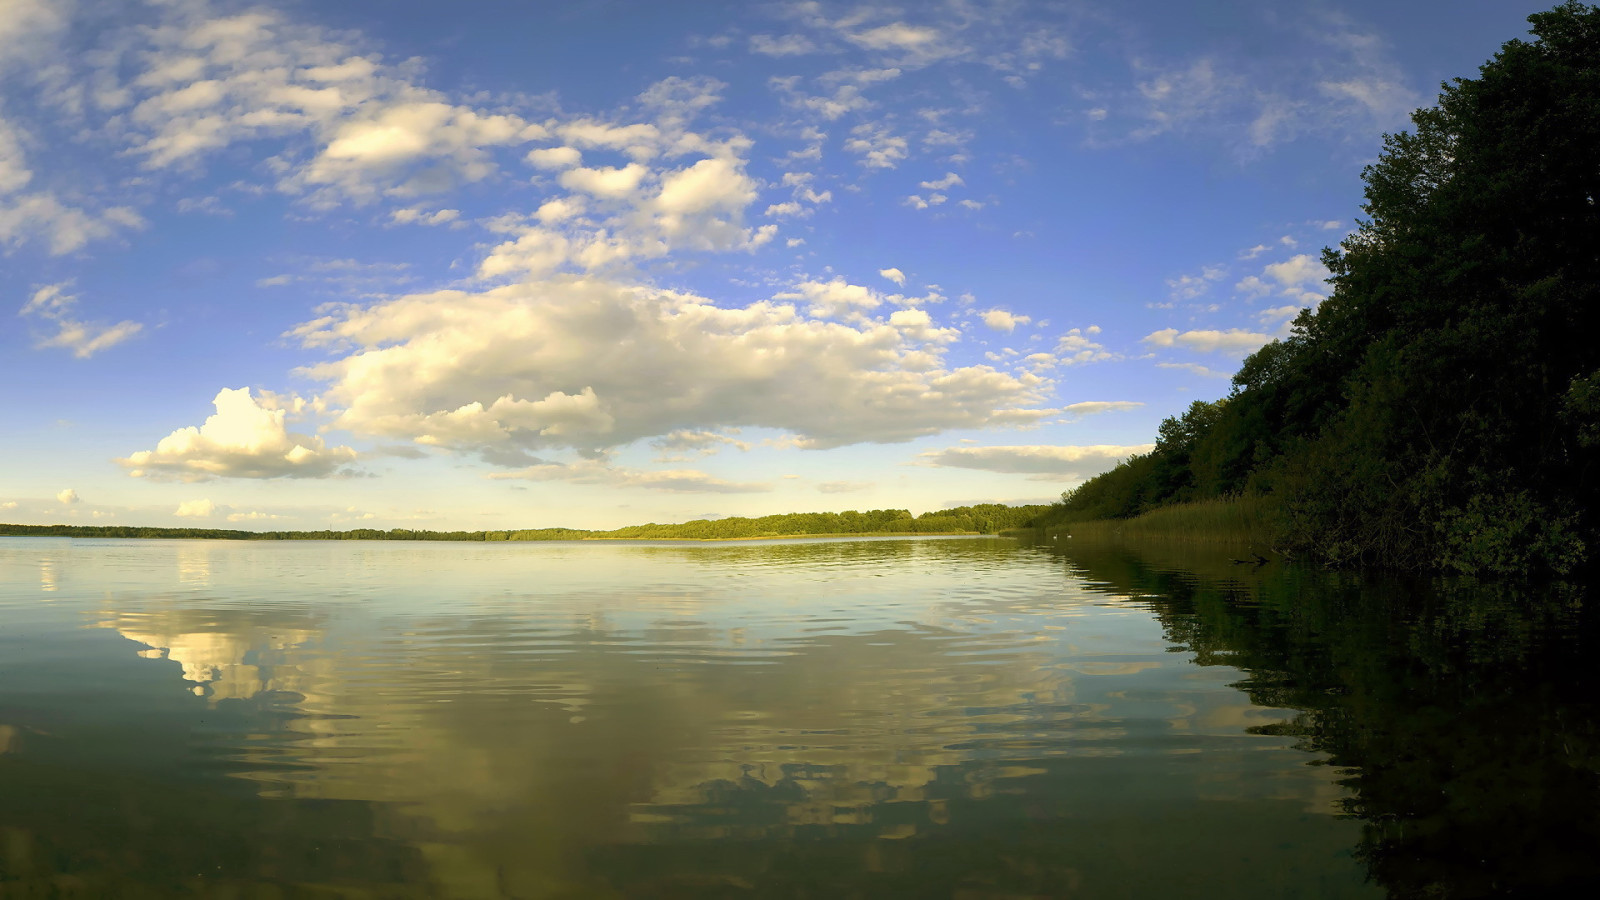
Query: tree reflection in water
[[1462, 714]]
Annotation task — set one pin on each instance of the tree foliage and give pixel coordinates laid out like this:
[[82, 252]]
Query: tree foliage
[[1441, 409]]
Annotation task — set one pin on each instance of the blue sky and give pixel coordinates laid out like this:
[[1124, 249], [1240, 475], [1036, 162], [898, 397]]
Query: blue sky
[[491, 265]]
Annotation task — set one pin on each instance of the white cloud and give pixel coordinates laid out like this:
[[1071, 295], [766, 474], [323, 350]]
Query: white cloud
[[639, 140], [894, 275], [1046, 462], [1177, 98], [1296, 275], [358, 129], [837, 299], [242, 440], [23, 21], [9, 504], [1094, 407], [676, 100], [877, 146], [584, 364], [911, 44], [554, 157], [681, 481], [1188, 287], [846, 98], [1252, 286], [781, 45], [385, 144], [607, 182], [704, 443], [697, 207], [1195, 368], [949, 181], [1234, 340], [52, 304], [416, 216], [67, 497], [197, 509], [1001, 320], [844, 487], [1278, 315], [560, 209], [41, 215], [1078, 346]]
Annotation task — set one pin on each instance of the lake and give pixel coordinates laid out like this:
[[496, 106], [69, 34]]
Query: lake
[[972, 718]]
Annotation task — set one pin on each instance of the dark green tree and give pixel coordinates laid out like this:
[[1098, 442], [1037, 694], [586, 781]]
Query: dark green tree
[[1441, 409]]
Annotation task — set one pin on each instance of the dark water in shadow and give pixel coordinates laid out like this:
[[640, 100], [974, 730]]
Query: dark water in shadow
[[890, 718]]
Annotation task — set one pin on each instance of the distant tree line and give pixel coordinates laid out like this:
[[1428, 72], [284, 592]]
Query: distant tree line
[[988, 518], [1441, 409]]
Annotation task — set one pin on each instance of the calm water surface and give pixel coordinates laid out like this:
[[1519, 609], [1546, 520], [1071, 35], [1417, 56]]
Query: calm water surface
[[884, 718]]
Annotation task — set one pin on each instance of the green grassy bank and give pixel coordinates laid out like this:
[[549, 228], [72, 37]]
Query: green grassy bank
[[1244, 521]]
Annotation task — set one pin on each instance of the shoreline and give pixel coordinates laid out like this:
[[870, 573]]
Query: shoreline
[[268, 537]]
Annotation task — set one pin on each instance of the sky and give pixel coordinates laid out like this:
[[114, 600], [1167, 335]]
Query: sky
[[487, 265]]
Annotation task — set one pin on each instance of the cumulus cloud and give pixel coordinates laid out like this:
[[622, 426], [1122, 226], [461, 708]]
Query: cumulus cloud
[[607, 181], [196, 509], [387, 143], [51, 303], [1234, 340], [1043, 462], [554, 157], [1295, 277], [586, 364], [1000, 320], [949, 180], [834, 299], [894, 275], [244, 439], [647, 213], [877, 146], [67, 497], [1079, 346]]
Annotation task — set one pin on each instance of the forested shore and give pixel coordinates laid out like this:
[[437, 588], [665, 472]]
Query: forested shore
[[1440, 410], [990, 518]]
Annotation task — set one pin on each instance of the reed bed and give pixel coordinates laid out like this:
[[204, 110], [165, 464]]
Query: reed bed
[[1246, 521]]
